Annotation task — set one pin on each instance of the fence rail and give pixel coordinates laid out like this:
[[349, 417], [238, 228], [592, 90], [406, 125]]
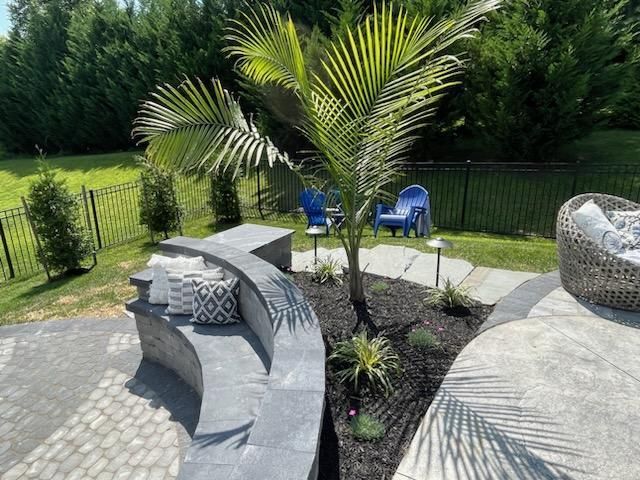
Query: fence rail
[[506, 198]]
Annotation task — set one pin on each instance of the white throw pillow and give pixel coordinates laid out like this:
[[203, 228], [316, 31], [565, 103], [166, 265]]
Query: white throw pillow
[[632, 256], [628, 226], [159, 290], [595, 224], [181, 288]]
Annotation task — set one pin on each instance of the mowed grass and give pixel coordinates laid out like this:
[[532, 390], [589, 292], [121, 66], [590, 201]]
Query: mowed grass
[[606, 147], [103, 291], [93, 171]]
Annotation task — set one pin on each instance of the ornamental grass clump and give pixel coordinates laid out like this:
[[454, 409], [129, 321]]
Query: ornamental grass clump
[[422, 339], [450, 297], [327, 270], [361, 359], [366, 428]]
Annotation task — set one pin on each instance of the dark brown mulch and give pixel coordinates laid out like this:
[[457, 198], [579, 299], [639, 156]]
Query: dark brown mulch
[[394, 312]]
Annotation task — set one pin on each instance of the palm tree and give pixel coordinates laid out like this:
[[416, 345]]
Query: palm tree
[[378, 86]]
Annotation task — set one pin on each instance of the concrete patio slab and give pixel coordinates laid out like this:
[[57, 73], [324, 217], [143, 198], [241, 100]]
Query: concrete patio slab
[[536, 398], [490, 285], [423, 270], [559, 302]]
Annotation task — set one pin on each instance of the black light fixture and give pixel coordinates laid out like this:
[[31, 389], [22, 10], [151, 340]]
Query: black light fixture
[[439, 243], [315, 231]]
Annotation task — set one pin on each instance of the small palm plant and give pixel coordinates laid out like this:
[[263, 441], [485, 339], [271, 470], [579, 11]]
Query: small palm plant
[[378, 85], [372, 360]]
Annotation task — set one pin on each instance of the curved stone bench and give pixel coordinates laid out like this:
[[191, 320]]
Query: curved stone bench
[[261, 382]]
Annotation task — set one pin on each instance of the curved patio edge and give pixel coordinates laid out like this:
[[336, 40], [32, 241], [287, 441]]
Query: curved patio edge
[[282, 441], [518, 304]]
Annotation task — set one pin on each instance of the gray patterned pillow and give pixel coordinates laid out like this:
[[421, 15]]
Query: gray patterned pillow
[[627, 225], [216, 302], [181, 288]]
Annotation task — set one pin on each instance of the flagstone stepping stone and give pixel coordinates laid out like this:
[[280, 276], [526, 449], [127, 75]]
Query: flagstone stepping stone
[[390, 260], [490, 285], [303, 261], [423, 270], [340, 255]]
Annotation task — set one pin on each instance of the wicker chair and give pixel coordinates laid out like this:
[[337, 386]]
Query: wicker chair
[[588, 270]]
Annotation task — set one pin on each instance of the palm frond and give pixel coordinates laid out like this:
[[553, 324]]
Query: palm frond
[[191, 127], [384, 80], [268, 48]]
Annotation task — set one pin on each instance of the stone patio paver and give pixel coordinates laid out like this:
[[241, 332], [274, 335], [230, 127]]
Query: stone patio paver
[[490, 285], [77, 401], [423, 270], [554, 393], [390, 261]]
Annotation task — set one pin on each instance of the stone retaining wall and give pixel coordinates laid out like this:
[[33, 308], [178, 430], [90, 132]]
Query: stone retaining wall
[[282, 440]]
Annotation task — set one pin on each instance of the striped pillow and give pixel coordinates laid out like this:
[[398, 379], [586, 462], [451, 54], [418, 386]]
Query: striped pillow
[[181, 289]]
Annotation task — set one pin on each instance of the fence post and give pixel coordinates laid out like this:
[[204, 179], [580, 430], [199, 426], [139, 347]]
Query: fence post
[[576, 172], [85, 207], [12, 273], [259, 192], [95, 218], [465, 194]]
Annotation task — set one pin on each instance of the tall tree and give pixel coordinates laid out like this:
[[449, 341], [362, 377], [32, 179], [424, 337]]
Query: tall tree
[[543, 74]]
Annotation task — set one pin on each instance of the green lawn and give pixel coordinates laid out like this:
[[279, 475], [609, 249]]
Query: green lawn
[[102, 292], [606, 146], [93, 171]]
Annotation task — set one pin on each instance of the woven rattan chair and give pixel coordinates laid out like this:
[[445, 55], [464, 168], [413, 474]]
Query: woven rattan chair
[[588, 270]]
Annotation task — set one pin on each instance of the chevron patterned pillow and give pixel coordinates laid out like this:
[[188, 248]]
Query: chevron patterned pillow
[[215, 302]]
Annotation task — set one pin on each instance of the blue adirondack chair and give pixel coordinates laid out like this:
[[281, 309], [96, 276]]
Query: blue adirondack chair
[[313, 204], [412, 203]]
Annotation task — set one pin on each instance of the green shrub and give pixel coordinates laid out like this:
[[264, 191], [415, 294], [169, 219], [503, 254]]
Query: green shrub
[[379, 286], [450, 296], [422, 338], [56, 216], [224, 198], [371, 360], [327, 270], [366, 428], [543, 73], [159, 207]]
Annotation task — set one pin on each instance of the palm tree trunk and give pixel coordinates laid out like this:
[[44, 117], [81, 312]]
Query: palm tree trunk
[[356, 287]]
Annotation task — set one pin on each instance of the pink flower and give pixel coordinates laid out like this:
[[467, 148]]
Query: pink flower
[[353, 412], [426, 322], [440, 329]]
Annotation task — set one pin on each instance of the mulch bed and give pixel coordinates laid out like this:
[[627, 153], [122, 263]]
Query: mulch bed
[[394, 311]]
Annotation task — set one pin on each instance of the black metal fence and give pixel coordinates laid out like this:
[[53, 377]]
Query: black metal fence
[[507, 198]]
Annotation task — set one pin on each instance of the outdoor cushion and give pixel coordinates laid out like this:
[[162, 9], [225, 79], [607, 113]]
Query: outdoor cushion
[[181, 288], [215, 302], [632, 256], [595, 224], [628, 226], [159, 290]]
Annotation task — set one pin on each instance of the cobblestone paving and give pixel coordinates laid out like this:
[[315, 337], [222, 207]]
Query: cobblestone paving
[[78, 402]]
